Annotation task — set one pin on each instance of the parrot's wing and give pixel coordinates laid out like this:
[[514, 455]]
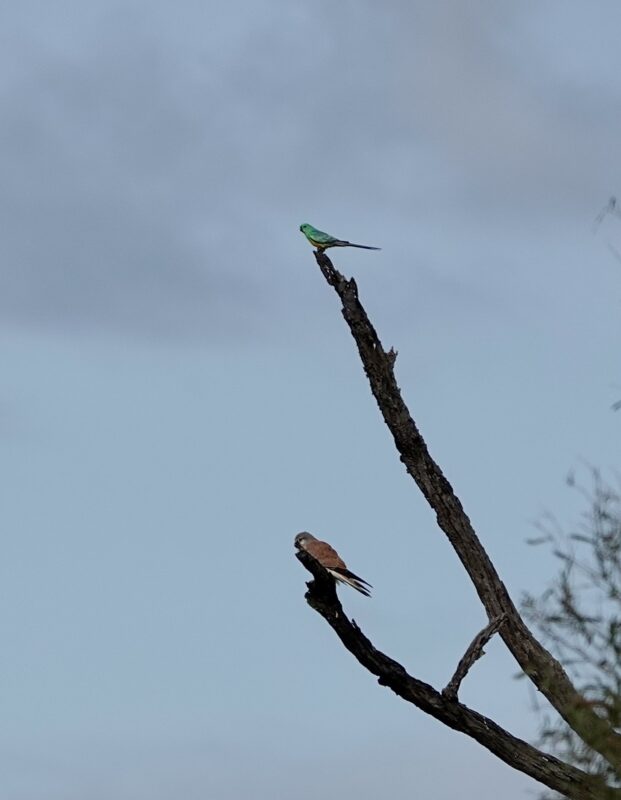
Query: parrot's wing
[[321, 236]]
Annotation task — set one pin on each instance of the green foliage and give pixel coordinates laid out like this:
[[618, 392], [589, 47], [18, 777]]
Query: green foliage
[[579, 618]]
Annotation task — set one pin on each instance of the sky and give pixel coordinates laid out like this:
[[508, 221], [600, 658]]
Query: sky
[[179, 395]]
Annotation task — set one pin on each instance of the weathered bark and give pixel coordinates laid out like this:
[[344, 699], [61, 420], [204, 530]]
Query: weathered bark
[[540, 666], [472, 654], [517, 753]]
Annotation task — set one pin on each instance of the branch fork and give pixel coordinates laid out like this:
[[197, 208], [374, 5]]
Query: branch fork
[[538, 664], [472, 654], [545, 768]]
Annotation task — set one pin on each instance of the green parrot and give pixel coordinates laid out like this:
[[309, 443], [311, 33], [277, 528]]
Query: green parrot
[[322, 240]]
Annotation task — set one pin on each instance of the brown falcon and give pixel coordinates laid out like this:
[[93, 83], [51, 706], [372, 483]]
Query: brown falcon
[[330, 560]]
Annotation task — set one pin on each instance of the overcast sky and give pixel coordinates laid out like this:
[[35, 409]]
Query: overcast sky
[[179, 395]]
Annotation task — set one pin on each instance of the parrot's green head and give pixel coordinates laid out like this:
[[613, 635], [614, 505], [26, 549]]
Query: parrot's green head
[[305, 227]]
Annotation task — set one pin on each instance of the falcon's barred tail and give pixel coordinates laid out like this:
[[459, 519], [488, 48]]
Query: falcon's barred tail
[[345, 576]]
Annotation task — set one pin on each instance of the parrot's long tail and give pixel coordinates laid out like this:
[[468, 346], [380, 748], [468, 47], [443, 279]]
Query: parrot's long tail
[[361, 246]]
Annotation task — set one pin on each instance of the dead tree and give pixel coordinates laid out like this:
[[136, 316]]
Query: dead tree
[[546, 673]]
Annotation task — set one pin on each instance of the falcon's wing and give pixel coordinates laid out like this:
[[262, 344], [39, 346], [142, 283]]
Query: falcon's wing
[[347, 573], [331, 561], [345, 576], [325, 554]]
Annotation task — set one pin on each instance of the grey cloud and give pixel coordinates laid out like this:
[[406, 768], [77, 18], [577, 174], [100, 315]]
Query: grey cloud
[[149, 156], [112, 197]]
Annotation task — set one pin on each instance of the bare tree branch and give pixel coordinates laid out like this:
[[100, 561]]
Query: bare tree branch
[[548, 770], [472, 654], [545, 671]]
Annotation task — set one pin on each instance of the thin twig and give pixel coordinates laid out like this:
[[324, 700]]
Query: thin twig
[[472, 654]]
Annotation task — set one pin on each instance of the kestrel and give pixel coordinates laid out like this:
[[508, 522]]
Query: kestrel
[[322, 240], [330, 560]]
